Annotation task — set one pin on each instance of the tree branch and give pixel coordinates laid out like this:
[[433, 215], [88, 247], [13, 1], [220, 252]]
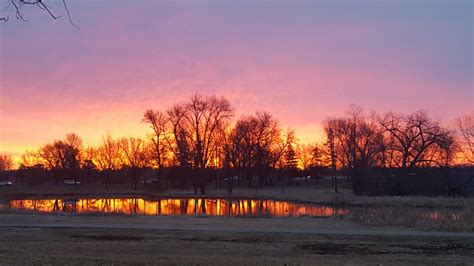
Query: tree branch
[[69, 15], [49, 11], [17, 11], [18, 4]]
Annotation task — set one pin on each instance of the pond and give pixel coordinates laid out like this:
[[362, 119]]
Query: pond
[[177, 206], [231, 207]]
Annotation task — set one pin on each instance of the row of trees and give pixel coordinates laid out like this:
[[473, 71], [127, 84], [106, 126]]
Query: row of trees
[[199, 136], [360, 143], [391, 140]]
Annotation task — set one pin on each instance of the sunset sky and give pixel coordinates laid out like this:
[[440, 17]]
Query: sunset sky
[[300, 60]]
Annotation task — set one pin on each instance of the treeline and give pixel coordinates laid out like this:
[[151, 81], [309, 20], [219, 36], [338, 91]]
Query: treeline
[[388, 151], [198, 141]]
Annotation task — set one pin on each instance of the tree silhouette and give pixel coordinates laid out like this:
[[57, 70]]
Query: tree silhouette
[[196, 126], [6, 162], [158, 122], [107, 158], [29, 159], [63, 157], [136, 156], [465, 127], [416, 138]]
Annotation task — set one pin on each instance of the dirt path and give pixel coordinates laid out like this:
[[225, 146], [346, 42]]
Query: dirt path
[[92, 246], [303, 225]]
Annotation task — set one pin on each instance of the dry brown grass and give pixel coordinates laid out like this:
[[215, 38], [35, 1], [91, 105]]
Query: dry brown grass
[[431, 219]]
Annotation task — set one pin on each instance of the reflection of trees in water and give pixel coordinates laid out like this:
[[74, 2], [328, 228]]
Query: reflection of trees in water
[[69, 206], [195, 207], [106, 204], [159, 207], [203, 207], [135, 206], [56, 205], [190, 206], [183, 206]]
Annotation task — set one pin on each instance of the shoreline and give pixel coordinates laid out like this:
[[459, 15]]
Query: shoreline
[[301, 195]]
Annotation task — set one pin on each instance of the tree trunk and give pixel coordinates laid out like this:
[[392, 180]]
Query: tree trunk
[[159, 176], [195, 179], [203, 184]]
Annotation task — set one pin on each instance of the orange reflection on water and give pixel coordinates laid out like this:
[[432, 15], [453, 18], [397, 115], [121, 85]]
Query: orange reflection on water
[[213, 207]]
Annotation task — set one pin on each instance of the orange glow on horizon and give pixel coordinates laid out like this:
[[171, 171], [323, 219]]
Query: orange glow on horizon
[[304, 134]]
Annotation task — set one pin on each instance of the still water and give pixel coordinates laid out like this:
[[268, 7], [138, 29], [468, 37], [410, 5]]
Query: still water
[[189, 206]]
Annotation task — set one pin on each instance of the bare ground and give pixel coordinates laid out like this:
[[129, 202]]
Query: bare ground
[[301, 225], [71, 239]]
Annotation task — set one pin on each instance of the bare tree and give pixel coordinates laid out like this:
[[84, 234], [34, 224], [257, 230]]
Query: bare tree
[[239, 147], [415, 136], [29, 159], [6, 162], [307, 155], [369, 142], [107, 158], [176, 141], [88, 165], [354, 142], [256, 146], [63, 157], [136, 155], [465, 128], [270, 145], [196, 128], [158, 122], [342, 136]]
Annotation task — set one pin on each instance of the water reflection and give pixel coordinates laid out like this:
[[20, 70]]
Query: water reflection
[[213, 207]]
